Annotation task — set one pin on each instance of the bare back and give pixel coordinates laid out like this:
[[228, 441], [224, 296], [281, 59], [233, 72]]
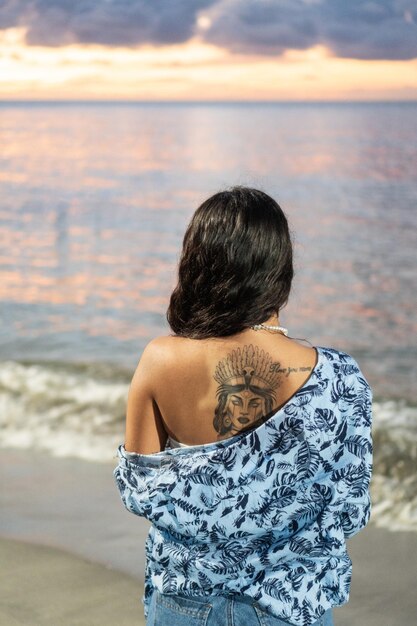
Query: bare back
[[213, 389]]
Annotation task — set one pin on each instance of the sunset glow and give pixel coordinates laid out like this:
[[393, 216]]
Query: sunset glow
[[194, 70]]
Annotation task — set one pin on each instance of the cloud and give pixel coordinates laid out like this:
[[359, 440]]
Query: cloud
[[357, 29], [107, 22], [371, 30], [261, 27]]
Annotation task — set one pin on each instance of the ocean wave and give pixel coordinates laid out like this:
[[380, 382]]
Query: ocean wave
[[71, 410], [66, 410]]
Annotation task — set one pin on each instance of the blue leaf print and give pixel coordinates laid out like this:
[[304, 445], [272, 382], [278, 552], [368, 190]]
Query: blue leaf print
[[298, 578], [277, 591], [358, 445], [261, 476], [229, 458], [325, 419], [210, 501], [300, 546], [320, 493], [338, 390], [340, 433], [169, 582], [255, 444], [242, 501], [207, 476], [345, 369], [189, 508], [203, 579], [306, 514], [266, 513], [308, 461], [227, 510]]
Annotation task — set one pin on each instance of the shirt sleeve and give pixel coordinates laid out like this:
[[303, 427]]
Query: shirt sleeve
[[354, 455], [132, 483]]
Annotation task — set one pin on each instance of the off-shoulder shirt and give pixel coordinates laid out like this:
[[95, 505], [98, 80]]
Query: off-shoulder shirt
[[265, 513]]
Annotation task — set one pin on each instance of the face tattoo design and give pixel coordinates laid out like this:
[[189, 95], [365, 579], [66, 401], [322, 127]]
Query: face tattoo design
[[247, 381]]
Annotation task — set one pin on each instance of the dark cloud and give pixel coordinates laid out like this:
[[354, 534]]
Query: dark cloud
[[263, 27], [385, 29], [371, 30], [382, 29], [107, 22]]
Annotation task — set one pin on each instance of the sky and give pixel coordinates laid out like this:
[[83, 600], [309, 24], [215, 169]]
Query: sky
[[279, 50]]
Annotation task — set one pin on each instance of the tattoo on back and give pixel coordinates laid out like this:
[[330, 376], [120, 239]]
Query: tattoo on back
[[248, 379]]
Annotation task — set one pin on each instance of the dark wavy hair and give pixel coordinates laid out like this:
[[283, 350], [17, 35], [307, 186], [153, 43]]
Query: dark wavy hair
[[236, 265]]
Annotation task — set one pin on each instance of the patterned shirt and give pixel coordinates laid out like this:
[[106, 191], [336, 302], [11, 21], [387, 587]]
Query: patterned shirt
[[265, 513]]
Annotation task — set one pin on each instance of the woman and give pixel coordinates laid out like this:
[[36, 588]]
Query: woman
[[249, 453]]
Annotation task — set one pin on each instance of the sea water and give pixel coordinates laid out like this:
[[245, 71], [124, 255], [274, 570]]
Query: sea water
[[94, 202]]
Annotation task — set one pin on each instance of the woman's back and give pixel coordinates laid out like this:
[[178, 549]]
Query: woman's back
[[200, 378]]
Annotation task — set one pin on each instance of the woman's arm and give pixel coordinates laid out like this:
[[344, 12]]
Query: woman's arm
[[356, 511], [356, 456], [145, 432]]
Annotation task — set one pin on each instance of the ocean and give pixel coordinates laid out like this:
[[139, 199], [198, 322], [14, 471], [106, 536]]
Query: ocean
[[94, 201]]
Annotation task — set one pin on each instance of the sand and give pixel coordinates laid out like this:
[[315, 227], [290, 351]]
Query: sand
[[44, 586], [72, 555]]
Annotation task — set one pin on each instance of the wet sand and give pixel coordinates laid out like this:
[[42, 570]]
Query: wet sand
[[44, 586], [92, 570]]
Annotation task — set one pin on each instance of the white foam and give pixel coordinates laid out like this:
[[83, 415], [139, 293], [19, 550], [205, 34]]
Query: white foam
[[77, 413]]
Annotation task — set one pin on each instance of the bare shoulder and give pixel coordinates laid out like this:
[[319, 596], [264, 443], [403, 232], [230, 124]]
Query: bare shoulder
[[161, 350], [163, 343], [166, 351]]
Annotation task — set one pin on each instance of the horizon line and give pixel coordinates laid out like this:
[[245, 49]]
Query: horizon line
[[201, 101]]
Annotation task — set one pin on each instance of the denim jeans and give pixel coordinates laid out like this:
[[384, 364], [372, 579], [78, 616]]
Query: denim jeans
[[178, 610]]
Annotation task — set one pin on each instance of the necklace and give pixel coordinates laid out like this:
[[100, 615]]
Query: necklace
[[280, 329]]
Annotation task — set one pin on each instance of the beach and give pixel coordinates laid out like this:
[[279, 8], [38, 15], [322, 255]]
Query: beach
[[96, 198], [46, 586], [75, 556]]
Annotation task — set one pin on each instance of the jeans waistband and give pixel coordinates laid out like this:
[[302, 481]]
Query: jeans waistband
[[229, 596]]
